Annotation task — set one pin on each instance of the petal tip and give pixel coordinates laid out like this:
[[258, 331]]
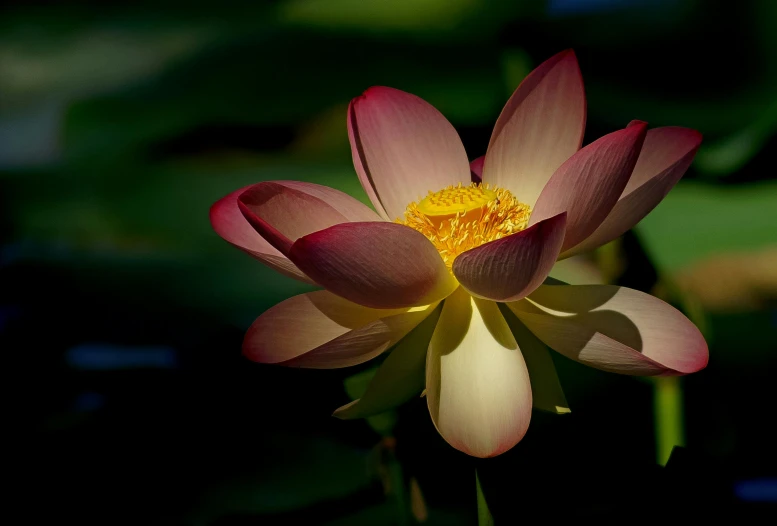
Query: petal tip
[[249, 350], [703, 359], [637, 126], [376, 91], [364, 96], [636, 122], [220, 211], [343, 412], [213, 211], [695, 137], [566, 58], [565, 54], [214, 216]]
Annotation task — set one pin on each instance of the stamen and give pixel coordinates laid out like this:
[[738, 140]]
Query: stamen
[[460, 218]]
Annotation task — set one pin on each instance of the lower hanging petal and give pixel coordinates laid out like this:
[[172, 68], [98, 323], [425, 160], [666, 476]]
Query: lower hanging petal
[[322, 331], [477, 385], [399, 378], [615, 329]]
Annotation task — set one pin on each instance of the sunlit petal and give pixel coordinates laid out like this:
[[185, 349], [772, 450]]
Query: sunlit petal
[[477, 385], [402, 147], [540, 127]]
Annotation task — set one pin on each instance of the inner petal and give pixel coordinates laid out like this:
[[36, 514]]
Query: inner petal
[[460, 218]]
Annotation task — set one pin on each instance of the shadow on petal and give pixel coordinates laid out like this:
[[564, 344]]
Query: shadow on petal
[[547, 394], [494, 322], [614, 329], [477, 385]]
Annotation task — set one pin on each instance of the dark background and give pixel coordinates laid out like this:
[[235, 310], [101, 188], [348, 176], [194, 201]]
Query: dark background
[[122, 313]]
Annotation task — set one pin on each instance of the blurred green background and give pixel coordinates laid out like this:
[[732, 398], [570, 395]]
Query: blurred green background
[[122, 312]]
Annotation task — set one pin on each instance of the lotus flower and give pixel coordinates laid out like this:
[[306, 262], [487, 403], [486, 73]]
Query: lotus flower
[[426, 271]]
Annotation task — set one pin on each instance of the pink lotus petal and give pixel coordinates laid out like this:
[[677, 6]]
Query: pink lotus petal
[[360, 167], [228, 222], [402, 148], [547, 394], [587, 186], [666, 155], [540, 127], [512, 267], [381, 265], [284, 211], [477, 385], [614, 329], [320, 330], [476, 167], [399, 378]]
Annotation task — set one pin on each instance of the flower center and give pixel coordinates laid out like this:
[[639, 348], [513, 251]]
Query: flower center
[[460, 218]]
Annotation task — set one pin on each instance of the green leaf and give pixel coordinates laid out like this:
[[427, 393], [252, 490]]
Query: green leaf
[[733, 152], [406, 15], [331, 471], [697, 220], [484, 514], [516, 64]]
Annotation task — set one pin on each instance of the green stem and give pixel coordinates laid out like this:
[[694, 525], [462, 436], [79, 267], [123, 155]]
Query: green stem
[[668, 416], [398, 490], [484, 514]]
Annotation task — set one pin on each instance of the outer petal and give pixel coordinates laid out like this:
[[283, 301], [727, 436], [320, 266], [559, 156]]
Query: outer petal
[[228, 222], [283, 211], [477, 385], [546, 391], [399, 378], [614, 329], [402, 147], [321, 330], [541, 126], [666, 155], [512, 267], [587, 186], [476, 169], [381, 265]]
